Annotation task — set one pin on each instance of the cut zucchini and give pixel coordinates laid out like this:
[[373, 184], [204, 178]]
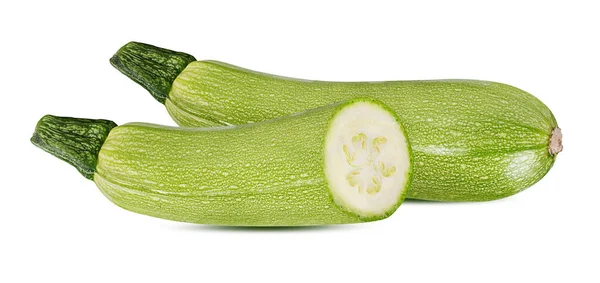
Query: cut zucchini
[[343, 163]]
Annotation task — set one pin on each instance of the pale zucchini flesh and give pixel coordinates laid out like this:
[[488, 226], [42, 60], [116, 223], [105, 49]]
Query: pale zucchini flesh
[[344, 163], [472, 140]]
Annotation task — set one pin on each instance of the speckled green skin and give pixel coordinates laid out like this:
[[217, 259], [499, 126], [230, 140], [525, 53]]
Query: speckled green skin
[[263, 174], [76, 141], [472, 140]]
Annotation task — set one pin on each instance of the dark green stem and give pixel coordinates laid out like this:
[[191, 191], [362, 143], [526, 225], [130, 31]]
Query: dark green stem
[[152, 67], [74, 140]]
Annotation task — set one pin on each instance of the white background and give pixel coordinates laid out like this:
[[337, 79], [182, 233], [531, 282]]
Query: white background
[[57, 227]]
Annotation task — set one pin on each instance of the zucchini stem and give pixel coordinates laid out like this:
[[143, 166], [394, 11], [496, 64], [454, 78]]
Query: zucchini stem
[[74, 140], [152, 67], [555, 146]]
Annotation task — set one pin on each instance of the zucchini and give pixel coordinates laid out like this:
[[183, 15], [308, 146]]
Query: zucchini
[[472, 140], [342, 163]]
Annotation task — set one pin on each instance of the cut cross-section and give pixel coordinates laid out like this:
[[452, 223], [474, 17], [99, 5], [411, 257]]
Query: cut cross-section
[[367, 159]]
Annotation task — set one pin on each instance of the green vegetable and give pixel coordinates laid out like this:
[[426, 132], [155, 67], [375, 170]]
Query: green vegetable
[[472, 140], [343, 163]]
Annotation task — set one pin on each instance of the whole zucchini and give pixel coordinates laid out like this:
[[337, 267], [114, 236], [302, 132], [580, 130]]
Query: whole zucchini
[[472, 140], [343, 163]]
